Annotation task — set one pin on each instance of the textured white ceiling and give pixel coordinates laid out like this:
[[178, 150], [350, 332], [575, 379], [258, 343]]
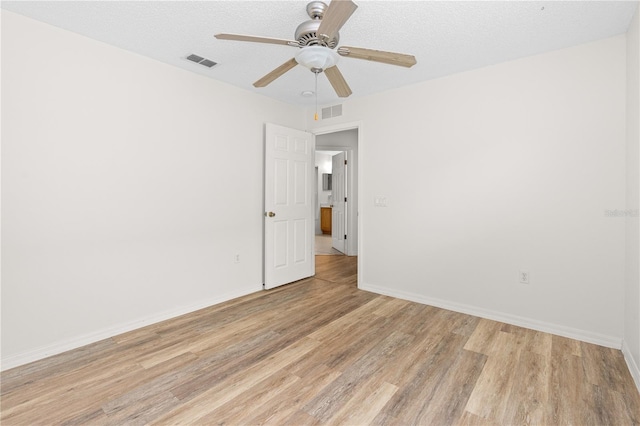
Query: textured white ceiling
[[445, 36]]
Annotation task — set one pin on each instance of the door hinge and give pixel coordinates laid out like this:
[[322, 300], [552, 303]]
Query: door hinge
[[345, 199], [345, 236], [345, 162]]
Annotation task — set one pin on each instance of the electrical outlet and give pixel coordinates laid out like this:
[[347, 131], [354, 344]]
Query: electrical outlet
[[523, 277], [236, 258]]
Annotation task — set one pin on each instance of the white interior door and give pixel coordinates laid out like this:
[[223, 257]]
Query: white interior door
[[338, 193], [289, 218]]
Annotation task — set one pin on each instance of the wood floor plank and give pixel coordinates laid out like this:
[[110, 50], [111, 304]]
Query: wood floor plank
[[605, 367], [469, 419], [490, 397], [301, 418], [155, 381], [282, 411], [567, 385], [421, 382], [365, 404], [465, 324], [450, 396], [530, 340], [415, 319], [530, 392], [345, 348], [391, 307], [218, 366], [483, 336], [222, 392], [228, 334], [146, 408], [414, 357], [349, 320], [626, 411], [321, 351], [60, 364], [72, 399], [333, 397], [233, 412]]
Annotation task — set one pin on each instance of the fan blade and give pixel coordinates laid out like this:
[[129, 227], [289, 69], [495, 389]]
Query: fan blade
[[256, 39], [338, 82], [378, 56], [338, 12], [264, 81]]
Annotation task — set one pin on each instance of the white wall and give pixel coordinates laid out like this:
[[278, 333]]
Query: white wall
[[128, 186], [632, 288], [495, 170]]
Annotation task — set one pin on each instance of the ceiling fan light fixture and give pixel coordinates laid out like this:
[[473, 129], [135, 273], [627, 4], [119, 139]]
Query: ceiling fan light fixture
[[317, 57]]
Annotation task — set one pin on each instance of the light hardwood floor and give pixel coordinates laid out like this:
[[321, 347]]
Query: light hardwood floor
[[320, 351], [323, 246]]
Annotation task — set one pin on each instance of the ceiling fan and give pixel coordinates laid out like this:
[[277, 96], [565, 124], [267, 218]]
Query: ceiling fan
[[317, 39]]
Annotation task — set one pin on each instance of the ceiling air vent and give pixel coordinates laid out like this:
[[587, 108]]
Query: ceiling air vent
[[200, 60], [332, 111]]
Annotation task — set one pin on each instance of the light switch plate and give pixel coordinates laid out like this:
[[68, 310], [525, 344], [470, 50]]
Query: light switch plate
[[379, 201]]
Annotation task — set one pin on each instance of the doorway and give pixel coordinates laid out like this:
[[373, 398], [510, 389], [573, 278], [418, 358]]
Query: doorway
[[330, 144], [289, 171], [329, 217]]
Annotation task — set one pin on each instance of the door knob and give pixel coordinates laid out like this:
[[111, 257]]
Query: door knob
[[270, 214]]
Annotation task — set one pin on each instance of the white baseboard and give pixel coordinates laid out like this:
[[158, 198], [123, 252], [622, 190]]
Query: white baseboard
[[573, 333], [79, 341], [632, 364], [105, 333]]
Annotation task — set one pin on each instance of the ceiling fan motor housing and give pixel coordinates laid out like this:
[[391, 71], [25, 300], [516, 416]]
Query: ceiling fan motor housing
[[316, 9], [307, 32]]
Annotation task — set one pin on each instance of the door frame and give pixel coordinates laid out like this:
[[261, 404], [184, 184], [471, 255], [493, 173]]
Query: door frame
[[351, 248], [355, 218]]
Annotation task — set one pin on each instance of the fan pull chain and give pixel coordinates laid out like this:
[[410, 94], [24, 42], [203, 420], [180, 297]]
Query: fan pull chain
[[315, 117]]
